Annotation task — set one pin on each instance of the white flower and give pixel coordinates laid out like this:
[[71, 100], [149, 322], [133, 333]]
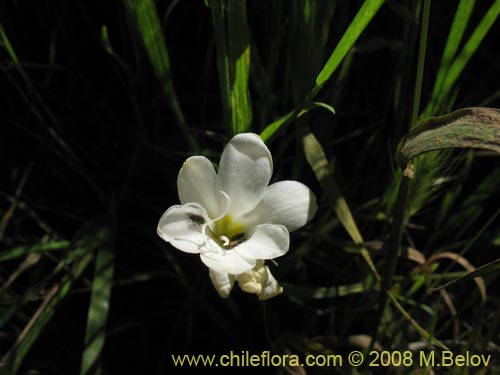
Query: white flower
[[233, 219], [258, 280]]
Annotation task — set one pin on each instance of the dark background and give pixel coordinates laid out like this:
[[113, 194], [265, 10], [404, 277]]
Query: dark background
[[95, 136]]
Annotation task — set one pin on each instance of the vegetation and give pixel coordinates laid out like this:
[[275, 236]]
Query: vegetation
[[363, 101]]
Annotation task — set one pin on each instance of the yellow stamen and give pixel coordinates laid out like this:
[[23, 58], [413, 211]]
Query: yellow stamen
[[228, 227]]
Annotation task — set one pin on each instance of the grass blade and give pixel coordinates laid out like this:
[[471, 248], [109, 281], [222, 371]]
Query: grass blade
[[480, 271], [457, 258], [218, 20], [473, 205], [233, 61], [29, 262], [364, 15], [453, 192], [357, 26], [239, 63], [14, 358], [316, 158], [306, 292], [15, 202], [95, 335], [469, 49], [148, 26], [420, 64], [460, 21], [7, 45], [400, 210], [20, 251], [83, 254], [318, 162], [426, 335]]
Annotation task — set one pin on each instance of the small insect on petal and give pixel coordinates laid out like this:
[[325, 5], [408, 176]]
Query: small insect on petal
[[236, 240], [195, 219]]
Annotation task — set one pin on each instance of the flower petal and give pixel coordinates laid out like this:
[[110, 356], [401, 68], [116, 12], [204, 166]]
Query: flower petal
[[223, 282], [254, 280], [289, 203], [197, 182], [244, 172], [265, 241], [181, 226], [272, 288], [227, 261]]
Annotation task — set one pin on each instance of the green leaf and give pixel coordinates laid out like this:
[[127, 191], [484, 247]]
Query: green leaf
[[393, 244], [357, 26], [105, 39], [351, 35], [148, 27], [38, 248], [426, 335], [95, 335], [453, 192], [469, 49], [307, 292], [239, 65], [473, 205], [290, 116], [316, 105], [272, 128], [6, 44], [82, 253], [233, 61], [481, 271], [218, 19], [469, 127], [462, 16], [26, 264], [422, 48], [316, 158]]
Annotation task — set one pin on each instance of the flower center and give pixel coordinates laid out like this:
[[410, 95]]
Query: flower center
[[228, 227], [227, 231]]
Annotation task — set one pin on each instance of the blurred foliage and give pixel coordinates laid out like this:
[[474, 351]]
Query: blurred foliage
[[103, 101]]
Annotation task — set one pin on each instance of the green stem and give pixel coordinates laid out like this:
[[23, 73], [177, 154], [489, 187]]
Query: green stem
[[218, 19], [392, 251], [399, 218], [421, 62]]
